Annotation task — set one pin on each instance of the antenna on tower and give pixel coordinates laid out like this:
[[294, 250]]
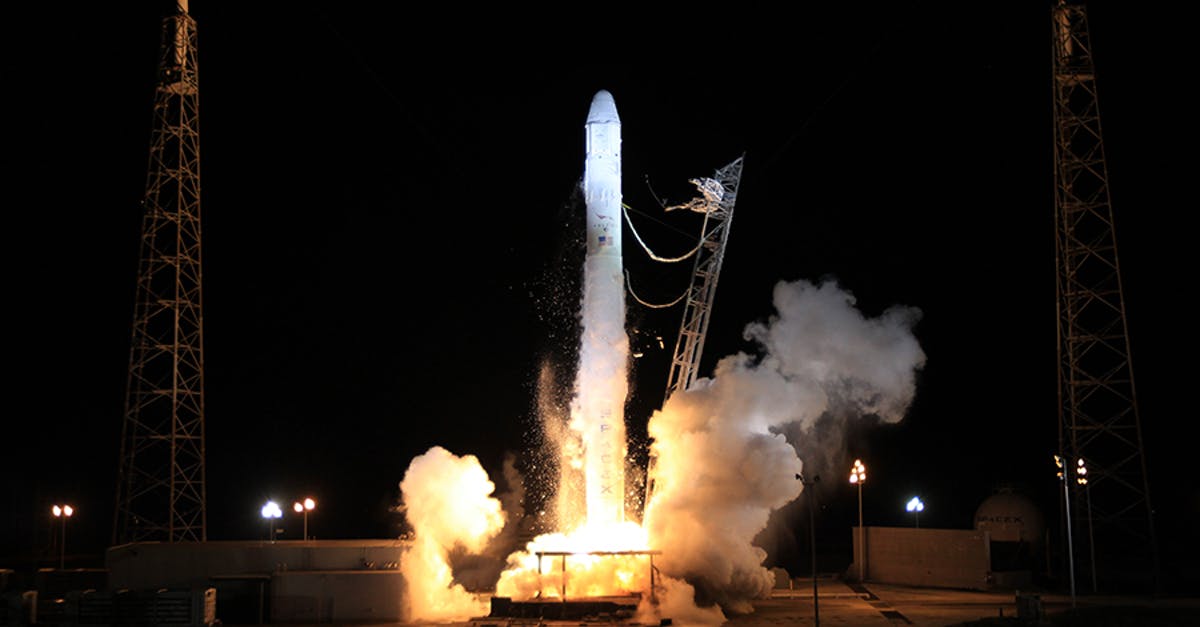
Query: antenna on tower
[[160, 478]]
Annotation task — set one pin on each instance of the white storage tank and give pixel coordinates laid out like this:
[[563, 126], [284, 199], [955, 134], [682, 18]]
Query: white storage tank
[[1009, 516]]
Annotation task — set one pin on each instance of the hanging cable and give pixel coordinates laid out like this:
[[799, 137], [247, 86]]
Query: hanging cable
[[625, 210], [629, 286]]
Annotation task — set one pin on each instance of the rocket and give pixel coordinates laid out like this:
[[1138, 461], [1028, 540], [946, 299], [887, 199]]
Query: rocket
[[602, 176], [602, 382]]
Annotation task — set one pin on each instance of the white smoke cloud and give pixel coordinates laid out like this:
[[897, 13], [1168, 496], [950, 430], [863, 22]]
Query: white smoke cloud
[[726, 458], [722, 463], [479, 570], [818, 338], [676, 599], [448, 504]]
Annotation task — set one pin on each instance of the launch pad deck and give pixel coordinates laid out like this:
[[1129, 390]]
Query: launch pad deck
[[601, 608]]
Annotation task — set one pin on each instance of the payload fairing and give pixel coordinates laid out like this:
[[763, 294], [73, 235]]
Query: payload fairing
[[602, 177], [604, 352]]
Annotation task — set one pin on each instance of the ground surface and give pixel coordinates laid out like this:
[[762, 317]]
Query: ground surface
[[845, 604], [841, 603]]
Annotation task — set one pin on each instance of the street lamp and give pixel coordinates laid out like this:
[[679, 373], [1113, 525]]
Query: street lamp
[[1062, 476], [916, 507], [304, 508], [271, 512], [858, 476], [812, 540], [1081, 479], [64, 512]]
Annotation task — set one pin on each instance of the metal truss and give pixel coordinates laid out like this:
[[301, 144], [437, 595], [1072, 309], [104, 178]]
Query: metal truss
[[161, 488]]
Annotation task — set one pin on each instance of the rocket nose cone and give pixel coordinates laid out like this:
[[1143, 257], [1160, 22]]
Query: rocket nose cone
[[603, 110]]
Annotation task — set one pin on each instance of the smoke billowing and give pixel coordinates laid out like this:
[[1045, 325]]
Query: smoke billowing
[[725, 458], [723, 463], [448, 502]]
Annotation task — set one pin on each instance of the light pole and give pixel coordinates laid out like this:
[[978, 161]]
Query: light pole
[[812, 540], [1081, 479], [270, 513], [858, 476], [916, 506], [1062, 476], [304, 508], [63, 512]]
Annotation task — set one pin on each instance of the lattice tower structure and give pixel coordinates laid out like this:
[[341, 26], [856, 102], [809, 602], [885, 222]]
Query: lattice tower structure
[[161, 477], [1098, 418], [718, 218], [717, 205]]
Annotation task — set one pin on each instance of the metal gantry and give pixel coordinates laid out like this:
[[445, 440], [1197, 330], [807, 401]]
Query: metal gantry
[[160, 486], [716, 202], [1098, 412]]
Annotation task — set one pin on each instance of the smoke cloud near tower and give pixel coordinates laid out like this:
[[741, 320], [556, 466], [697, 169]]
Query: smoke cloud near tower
[[723, 463]]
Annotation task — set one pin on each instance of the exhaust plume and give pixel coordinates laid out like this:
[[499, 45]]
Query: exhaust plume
[[448, 504], [723, 463]]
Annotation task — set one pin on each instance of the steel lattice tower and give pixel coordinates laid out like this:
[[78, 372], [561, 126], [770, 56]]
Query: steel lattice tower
[[717, 200], [714, 233], [161, 490], [1098, 419]]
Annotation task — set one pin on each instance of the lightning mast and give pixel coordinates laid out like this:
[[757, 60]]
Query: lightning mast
[[1098, 419], [161, 489]]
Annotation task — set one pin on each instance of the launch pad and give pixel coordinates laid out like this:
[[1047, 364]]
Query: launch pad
[[565, 554], [586, 609], [616, 609]]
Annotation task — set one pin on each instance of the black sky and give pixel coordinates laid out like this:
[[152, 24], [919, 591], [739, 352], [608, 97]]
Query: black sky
[[385, 220]]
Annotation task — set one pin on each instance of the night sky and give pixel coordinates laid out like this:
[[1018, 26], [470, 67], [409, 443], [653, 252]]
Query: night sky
[[390, 233]]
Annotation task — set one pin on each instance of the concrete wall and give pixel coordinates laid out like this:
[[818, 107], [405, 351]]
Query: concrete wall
[[938, 558], [338, 597], [191, 564], [326, 581]]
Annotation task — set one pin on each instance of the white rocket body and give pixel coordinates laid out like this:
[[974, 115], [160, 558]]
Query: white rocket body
[[602, 176], [604, 352]]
